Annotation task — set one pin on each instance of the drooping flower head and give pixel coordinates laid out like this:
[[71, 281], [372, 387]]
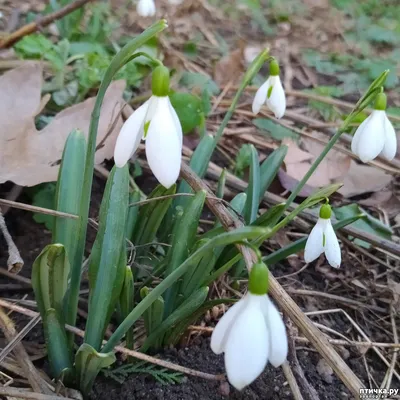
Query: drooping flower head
[[323, 239], [157, 123], [271, 93], [375, 136], [251, 333], [146, 8]]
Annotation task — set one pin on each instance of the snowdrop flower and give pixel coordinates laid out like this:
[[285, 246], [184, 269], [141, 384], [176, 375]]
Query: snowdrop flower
[[375, 135], [158, 124], [271, 93], [323, 239], [146, 8], [251, 333]]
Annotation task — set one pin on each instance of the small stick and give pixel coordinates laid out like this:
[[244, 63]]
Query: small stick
[[15, 261], [24, 394], [41, 23], [41, 210], [37, 383], [292, 381]]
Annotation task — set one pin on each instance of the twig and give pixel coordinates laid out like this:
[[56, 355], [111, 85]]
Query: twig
[[41, 22], [15, 261], [37, 383], [24, 394], [287, 370], [41, 210], [121, 349], [308, 390], [312, 333]]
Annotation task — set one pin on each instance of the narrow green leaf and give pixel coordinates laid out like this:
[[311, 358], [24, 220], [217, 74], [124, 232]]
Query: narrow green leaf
[[133, 213], [57, 346], [275, 130], [270, 167], [221, 184], [68, 197], [107, 269], [126, 303], [253, 189], [88, 363], [182, 243], [50, 273], [188, 307]]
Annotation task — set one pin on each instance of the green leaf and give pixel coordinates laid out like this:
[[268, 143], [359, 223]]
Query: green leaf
[[126, 302], [182, 244], [221, 184], [133, 213], [50, 273], [67, 199], [190, 305], [253, 188], [269, 168], [243, 159], [45, 198], [189, 109], [192, 80], [88, 363], [367, 224], [275, 130], [60, 358], [108, 258]]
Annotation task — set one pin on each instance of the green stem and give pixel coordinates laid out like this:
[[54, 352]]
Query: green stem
[[118, 62], [250, 74]]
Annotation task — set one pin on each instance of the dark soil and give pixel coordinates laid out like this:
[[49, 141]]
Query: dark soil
[[270, 385]]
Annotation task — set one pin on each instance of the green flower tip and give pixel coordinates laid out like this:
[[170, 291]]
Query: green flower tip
[[144, 291], [160, 81], [274, 68], [258, 279], [325, 212], [380, 102]]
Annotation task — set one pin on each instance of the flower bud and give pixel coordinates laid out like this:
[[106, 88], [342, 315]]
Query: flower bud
[[274, 68], [160, 81], [258, 279]]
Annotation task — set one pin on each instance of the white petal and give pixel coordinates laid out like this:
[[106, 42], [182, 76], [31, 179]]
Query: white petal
[[332, 248], [246, 350], [163, 147], [390, 147], [276, 102], [315, 242], [178, 125], [278, 343], [358, 134], [261, 97], [146, 8], [129, 137], [372, 137], [222, 329], [151, 110]]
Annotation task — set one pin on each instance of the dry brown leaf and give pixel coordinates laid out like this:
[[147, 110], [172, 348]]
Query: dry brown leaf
[[229, 67], [336, 167], [298, 162], [363, 179], [28, 156]]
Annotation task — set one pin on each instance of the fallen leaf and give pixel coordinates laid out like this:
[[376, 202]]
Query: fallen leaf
[[363, 179], [28, 156], [229, 67], [336, 167]]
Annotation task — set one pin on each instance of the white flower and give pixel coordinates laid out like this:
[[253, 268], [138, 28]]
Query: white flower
[[250, 333], [272, 94], [323, 239], [375, 136], [146, 8], [163, 139]]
